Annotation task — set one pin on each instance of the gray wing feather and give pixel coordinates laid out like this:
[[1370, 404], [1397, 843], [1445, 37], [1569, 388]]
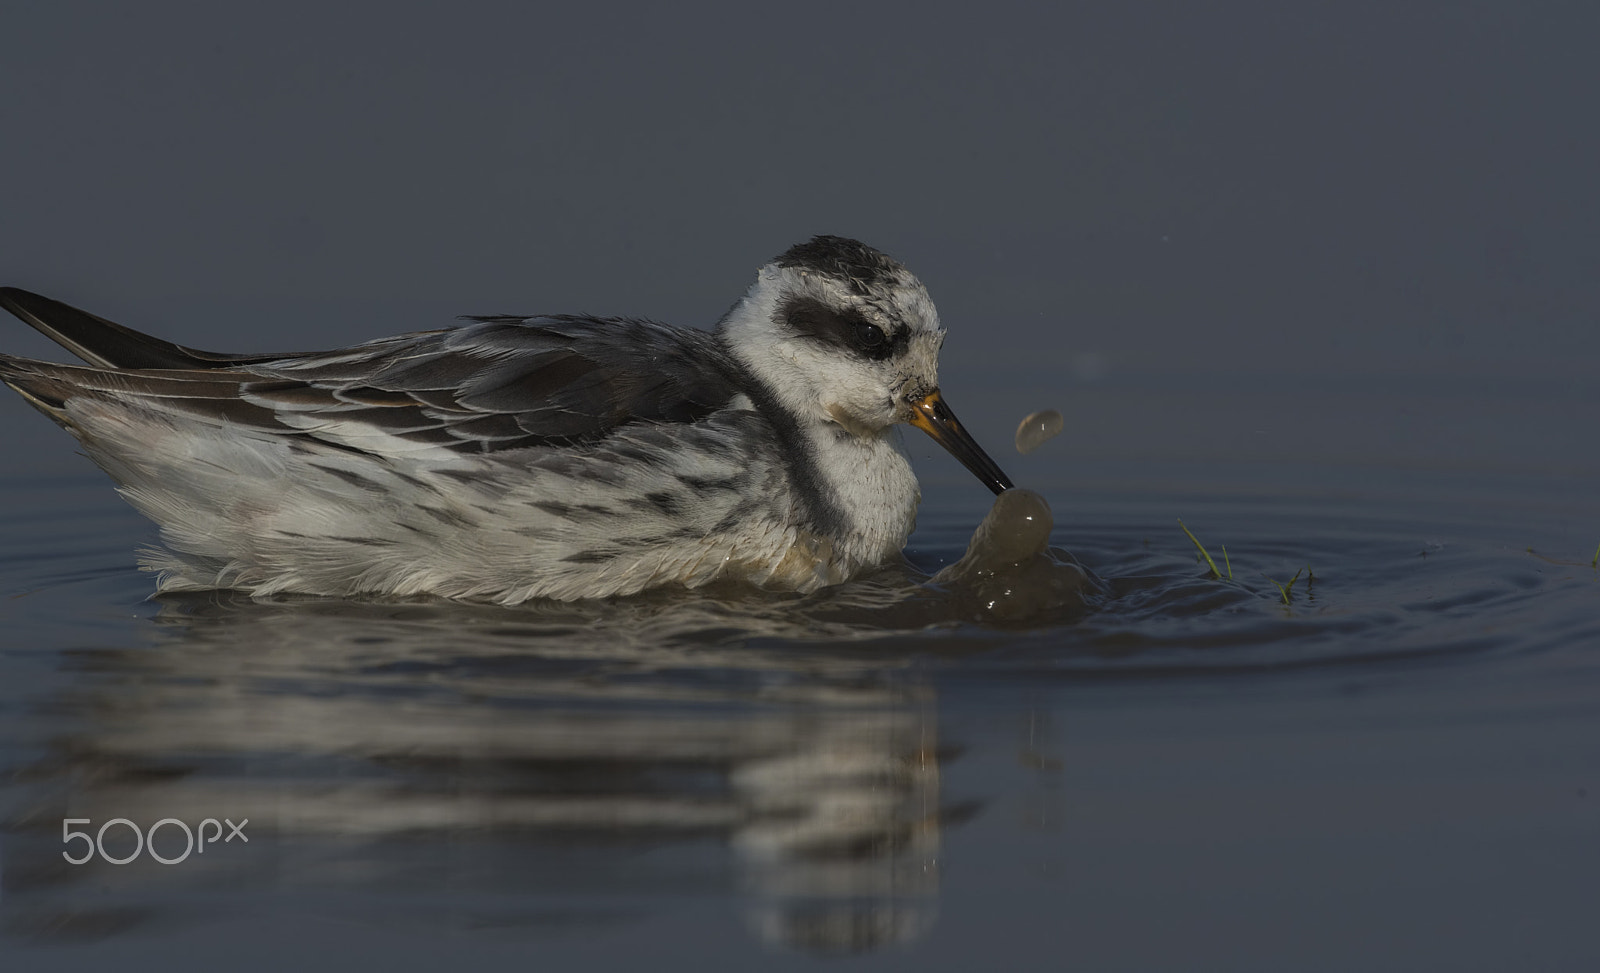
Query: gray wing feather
[[505, 383], [493, 384]]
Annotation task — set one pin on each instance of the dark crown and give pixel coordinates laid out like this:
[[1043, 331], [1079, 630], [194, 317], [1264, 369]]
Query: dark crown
[[850, 261]]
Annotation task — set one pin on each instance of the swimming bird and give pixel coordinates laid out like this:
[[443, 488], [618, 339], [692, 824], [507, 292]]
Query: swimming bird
[[512, 458]]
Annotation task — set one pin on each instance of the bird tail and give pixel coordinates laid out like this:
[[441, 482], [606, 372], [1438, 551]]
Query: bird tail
[[107, 344]]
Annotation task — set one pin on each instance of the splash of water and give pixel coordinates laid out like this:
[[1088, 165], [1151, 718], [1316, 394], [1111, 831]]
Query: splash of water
[[1037, 429], [1009, 573]]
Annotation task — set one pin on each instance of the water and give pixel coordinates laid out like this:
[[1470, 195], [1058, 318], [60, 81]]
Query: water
[[1128, 764], [1038, 428], [1319, 280]]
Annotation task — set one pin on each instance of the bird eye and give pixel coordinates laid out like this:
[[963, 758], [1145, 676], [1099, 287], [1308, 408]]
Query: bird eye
[[869, 336]]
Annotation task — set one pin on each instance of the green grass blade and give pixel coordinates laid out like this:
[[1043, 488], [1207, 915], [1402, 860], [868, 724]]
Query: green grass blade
[[1285, 590], [1282, 591], [1203, 553]]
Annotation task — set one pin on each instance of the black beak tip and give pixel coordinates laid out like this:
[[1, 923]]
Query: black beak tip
[[934, 417]]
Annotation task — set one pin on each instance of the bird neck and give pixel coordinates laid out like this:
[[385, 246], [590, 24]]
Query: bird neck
[[857, 490], [872, 486], [854, 486]]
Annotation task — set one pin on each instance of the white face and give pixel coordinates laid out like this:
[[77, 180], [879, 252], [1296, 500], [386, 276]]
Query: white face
[[847, 339], [850, 354]]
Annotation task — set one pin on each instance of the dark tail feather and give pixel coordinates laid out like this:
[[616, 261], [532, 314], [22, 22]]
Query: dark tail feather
[[106, 343]]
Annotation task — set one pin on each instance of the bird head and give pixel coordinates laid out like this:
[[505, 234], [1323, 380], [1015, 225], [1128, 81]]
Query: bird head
[[843, 334]]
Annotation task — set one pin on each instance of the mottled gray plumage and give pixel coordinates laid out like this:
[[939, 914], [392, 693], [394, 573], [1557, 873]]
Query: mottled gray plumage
[[513, 458]]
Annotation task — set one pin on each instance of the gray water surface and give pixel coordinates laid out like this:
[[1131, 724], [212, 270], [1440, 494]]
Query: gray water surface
[[1318, 279], [1157, 769]]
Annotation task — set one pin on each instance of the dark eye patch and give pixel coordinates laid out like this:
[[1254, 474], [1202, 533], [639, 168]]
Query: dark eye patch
[[847, 329]]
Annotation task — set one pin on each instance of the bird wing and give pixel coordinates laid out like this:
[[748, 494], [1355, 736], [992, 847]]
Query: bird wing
[[503, 383], [493, 384]]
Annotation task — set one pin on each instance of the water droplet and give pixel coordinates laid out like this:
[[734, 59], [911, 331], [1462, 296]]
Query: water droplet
[[1035, 430]]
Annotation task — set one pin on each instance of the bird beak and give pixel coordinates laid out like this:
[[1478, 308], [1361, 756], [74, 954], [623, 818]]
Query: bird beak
[[932, 416]]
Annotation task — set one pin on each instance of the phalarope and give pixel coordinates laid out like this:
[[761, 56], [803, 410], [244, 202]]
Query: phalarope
[[513, 458]]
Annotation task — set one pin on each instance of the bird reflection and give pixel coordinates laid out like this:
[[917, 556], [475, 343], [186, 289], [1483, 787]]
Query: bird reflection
[[537, 758], [522, 769]]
